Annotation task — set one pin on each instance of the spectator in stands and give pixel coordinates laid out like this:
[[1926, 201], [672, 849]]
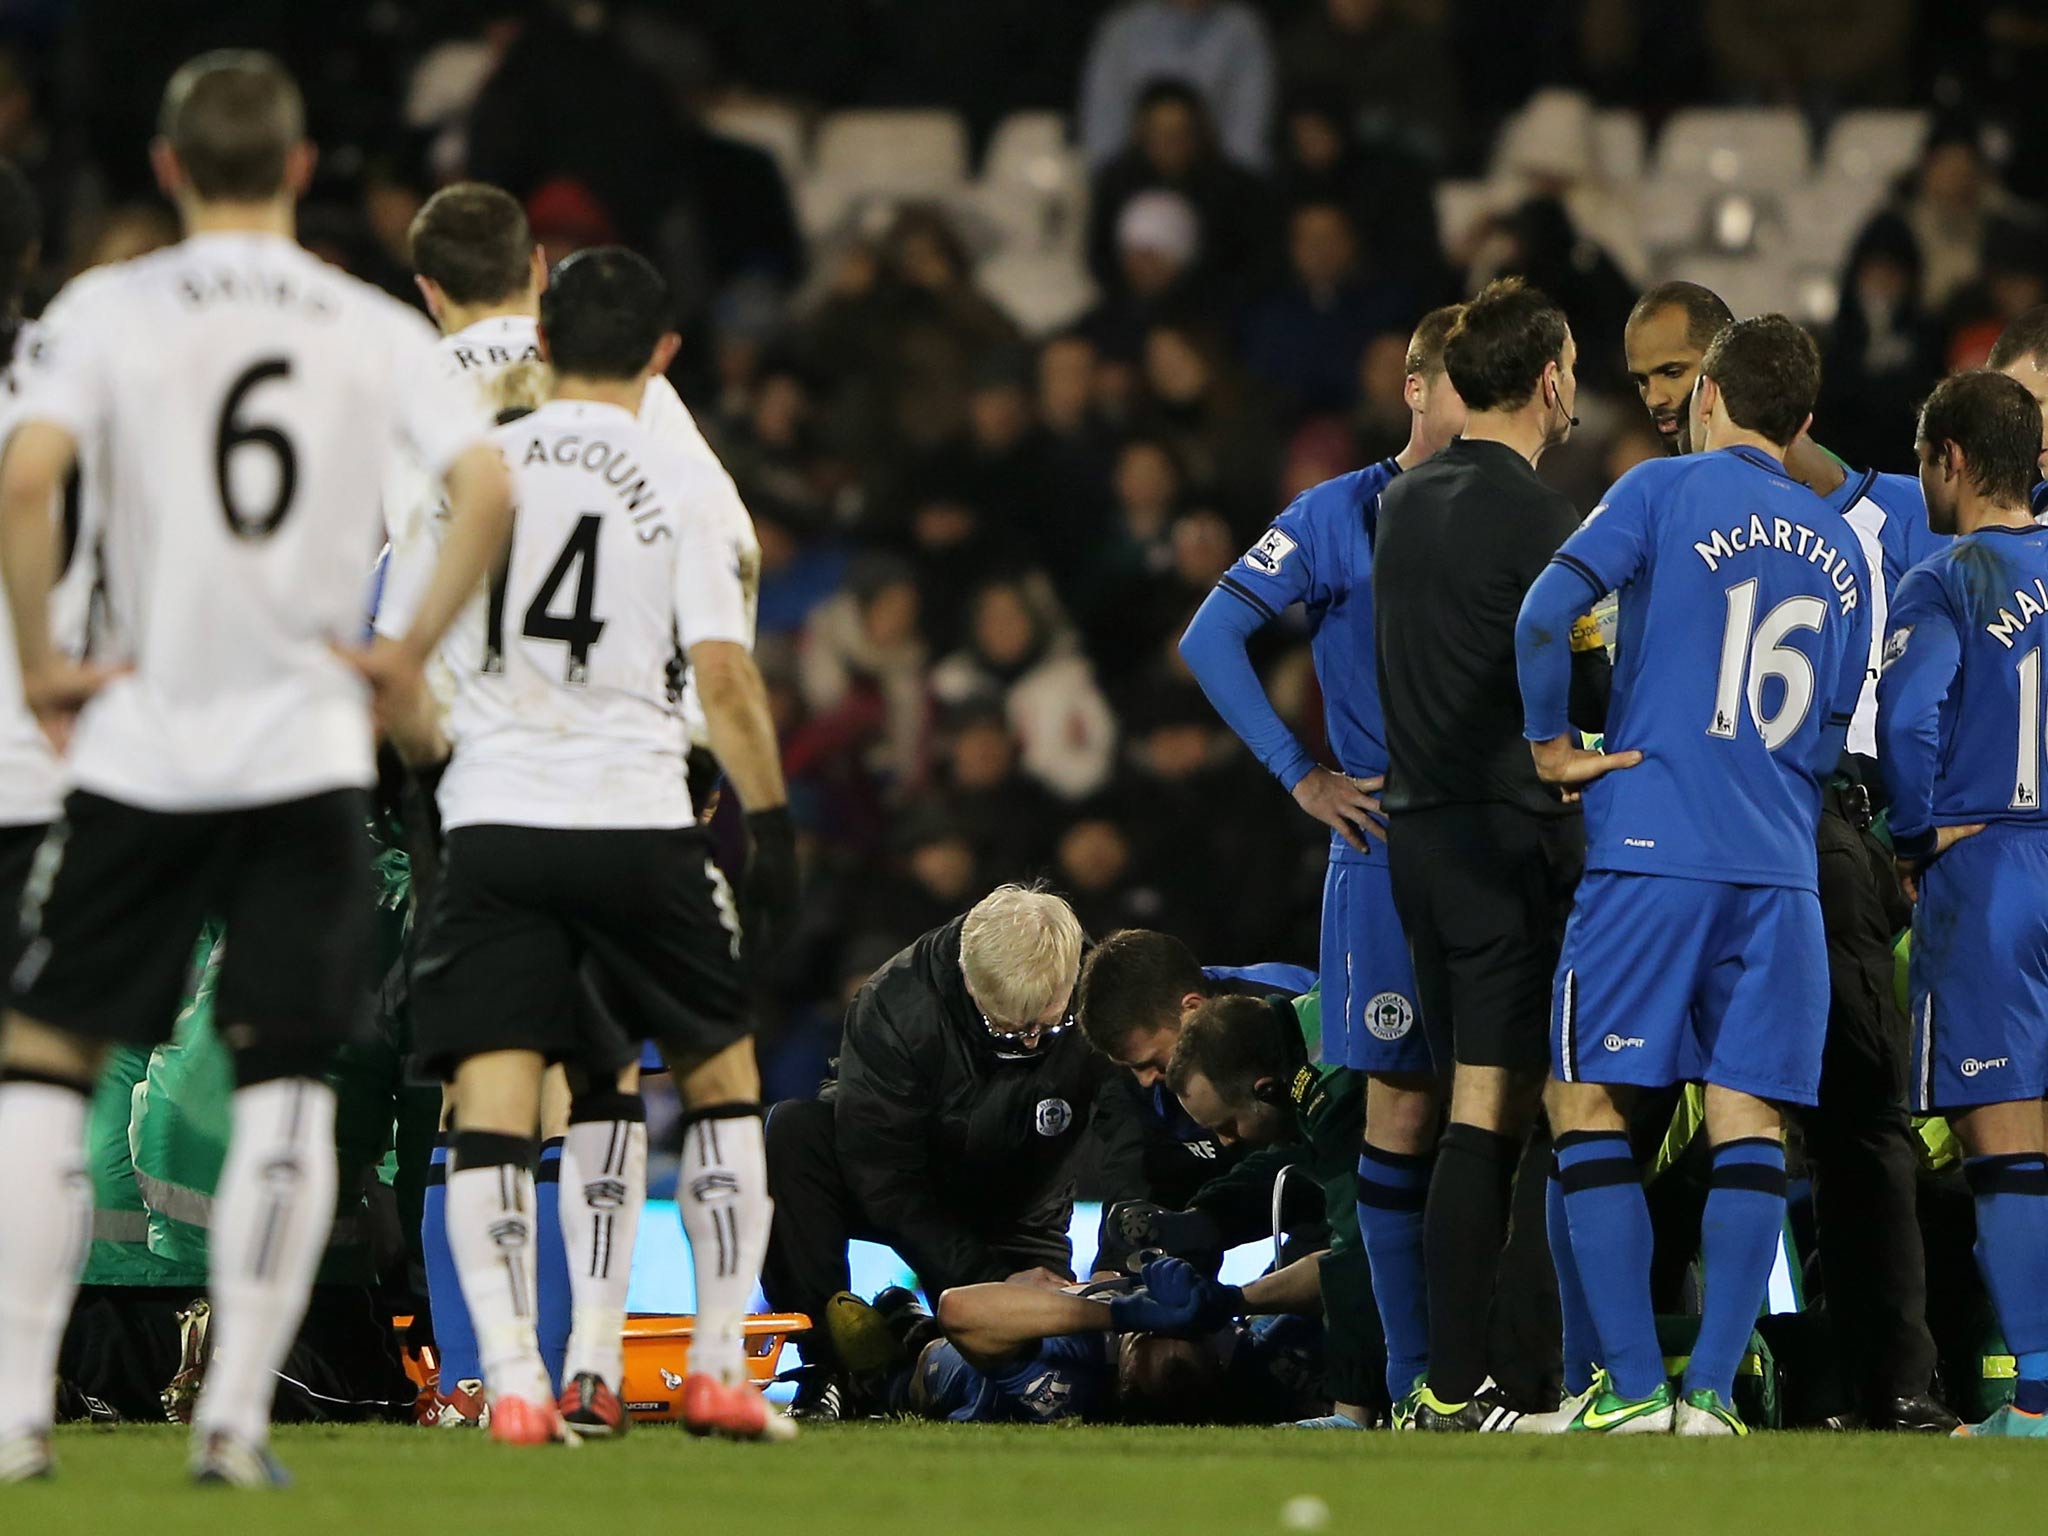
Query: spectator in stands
[[863, 657], [1218, 429], [1007, 816], [1019, 653], [1304, 340], [1539, 241], [1381, 420], [1158, 243], [901, 332], [1173, 145], [931, 872], [1097, 864], [1218, 47], [1393, 69], [1079, 447], [1386, 187], [1127, 563], [1950, 204], [1882, 353]]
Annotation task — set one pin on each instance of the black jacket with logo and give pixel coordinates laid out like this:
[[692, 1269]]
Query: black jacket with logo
[[958, 1157]]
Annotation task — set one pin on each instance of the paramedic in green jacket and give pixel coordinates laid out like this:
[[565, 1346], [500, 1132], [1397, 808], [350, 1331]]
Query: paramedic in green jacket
[[1248, 1070]]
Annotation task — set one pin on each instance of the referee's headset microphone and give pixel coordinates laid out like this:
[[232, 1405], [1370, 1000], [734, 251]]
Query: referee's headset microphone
[[1557, 400]]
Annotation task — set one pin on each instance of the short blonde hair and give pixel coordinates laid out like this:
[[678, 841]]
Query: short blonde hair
[[1019, 950]]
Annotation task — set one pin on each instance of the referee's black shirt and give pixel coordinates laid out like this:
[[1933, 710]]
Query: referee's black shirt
[[1461, 539]]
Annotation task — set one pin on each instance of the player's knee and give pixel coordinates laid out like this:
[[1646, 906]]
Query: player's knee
[[730, 1076], [1402, 1114], [489, 1149], [605, 1104], [35, 1052], [266, 1061]]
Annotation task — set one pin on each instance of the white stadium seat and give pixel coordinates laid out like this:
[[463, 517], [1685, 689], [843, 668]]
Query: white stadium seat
[[1671, 212], [767, 125], [1023, 143], [1873, 145], [1034, 184], [1825, 216], [1460, 205], [910, 152], [1735, 146], [1040, 291], [1620, 147], [1752, 285]]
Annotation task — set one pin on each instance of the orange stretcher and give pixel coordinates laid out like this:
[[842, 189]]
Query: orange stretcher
[[657, 1359], [658, 1354]]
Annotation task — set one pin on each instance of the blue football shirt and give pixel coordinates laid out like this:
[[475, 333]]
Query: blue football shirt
[[1960, 701], [1742, 642], [1318, 552]]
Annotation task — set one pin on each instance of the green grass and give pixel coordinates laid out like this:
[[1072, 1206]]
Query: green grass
[[939, 1480]]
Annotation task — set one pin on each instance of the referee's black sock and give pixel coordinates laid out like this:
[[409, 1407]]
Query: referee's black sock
[[1464, 1228]]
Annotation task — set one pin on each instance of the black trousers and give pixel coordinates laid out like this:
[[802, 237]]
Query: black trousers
[[1859, 1139], [816, 1214]]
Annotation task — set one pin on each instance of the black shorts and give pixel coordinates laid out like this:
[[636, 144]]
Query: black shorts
[[18, 845], [527, 919], [1484, 892], [109, 935]]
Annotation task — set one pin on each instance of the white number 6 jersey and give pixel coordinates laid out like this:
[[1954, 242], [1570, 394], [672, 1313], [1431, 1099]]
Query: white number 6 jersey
[[239, 398], [567, 672]]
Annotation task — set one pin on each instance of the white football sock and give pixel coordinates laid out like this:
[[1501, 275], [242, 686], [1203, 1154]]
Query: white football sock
[[45, 1229], [490, 1231], [604, 1185], [723, 1192], [272, 1212]]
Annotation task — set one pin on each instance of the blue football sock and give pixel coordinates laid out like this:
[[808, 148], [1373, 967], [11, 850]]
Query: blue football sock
[[1739, 1235], [557, 1311], [1393, 1189], [454, 1336], [2011, 1195], [1609, 1220], [1581, 1338]]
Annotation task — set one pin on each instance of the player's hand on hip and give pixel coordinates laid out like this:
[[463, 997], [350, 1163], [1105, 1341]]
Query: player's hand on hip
[[1563, 762], [1945, 838], [58, 689], [1347, 806]]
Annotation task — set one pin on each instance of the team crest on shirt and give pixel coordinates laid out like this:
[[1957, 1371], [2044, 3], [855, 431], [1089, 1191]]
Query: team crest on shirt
[[1389, 1016], [1053, 1117], [1895, 645], [1270, 553]]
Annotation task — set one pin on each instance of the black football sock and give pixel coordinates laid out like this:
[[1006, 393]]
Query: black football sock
[[1464, 1228]]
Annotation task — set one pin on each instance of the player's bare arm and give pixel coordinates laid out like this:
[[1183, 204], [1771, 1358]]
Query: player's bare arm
[[38, 458], [742, 731]]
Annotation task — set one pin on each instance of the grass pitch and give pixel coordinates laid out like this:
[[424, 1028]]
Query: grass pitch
[[935, 1480]]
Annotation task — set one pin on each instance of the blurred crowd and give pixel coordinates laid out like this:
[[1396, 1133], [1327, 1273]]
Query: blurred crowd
[[981, 543]]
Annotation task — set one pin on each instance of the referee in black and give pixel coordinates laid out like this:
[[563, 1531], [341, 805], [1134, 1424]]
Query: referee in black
[[1484, 856]]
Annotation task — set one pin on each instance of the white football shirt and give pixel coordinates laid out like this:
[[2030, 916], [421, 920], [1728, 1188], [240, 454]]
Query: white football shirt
[[245, 397], [497, 363], [566, 709]]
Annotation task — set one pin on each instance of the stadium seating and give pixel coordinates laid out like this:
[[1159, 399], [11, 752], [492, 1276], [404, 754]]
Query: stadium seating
[[1873, 147], [768, 125], [914, 152], [1735, 147]]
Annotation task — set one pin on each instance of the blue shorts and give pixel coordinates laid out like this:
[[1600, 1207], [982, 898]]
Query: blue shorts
[[1667, 980], [1979, 972], [1065, 1377], [1370, 1021]]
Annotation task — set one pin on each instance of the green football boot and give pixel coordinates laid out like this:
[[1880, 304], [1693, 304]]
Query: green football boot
[[1606, 1412], [1707, 1412]]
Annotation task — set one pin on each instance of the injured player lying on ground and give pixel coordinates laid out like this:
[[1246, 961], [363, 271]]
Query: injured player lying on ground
[[1167, 1346]]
